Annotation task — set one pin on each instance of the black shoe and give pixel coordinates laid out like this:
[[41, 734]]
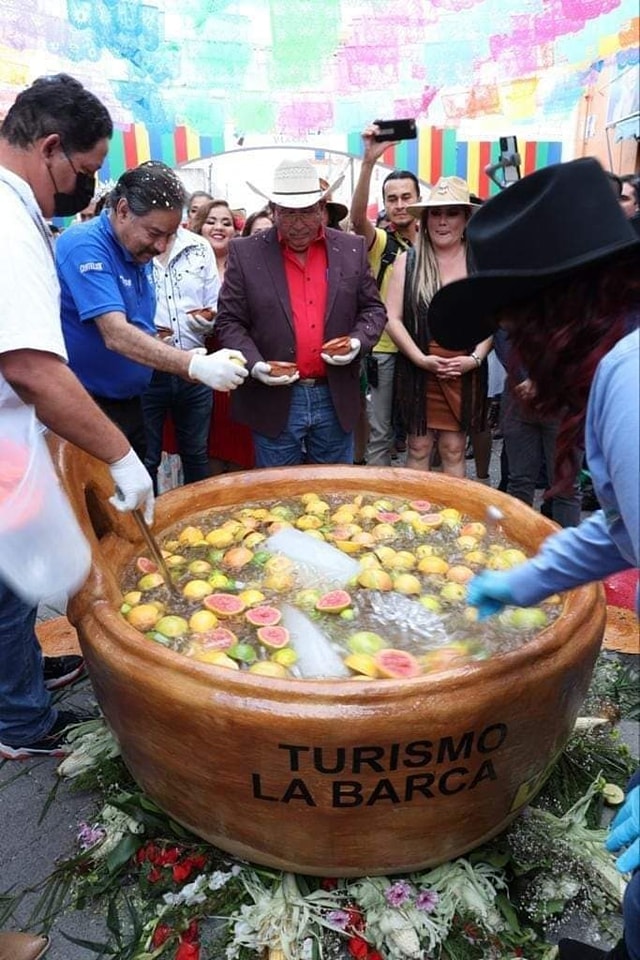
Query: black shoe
[[574, 950], [60, 671], [53, 744]]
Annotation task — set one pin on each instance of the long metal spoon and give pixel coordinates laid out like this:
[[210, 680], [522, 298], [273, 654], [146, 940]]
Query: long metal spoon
[[155, 551]]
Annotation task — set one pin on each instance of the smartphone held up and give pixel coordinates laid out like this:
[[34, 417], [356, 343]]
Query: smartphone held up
[[392, 130]]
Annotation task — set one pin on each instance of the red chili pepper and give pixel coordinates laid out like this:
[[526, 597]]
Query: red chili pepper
[[187, 951], [328, 883], [169, 856], [151, 852], [181, 871], [356, 921], [160, 935], [358, 948], [190, 935]]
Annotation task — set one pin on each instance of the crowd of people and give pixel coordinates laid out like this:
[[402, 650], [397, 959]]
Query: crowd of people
[[309, 334], [413, 394]]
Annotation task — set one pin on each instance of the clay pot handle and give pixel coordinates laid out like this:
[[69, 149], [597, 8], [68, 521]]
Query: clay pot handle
[[88, 485]]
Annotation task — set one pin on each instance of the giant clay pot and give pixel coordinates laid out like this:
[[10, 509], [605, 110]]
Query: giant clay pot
[[328, 778]]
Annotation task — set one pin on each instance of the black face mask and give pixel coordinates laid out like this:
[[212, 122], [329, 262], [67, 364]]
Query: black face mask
[[68, 204]]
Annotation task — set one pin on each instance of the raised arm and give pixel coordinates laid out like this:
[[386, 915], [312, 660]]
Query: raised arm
[[360, 200]]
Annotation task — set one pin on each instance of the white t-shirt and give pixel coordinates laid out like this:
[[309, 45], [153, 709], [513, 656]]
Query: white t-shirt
[[187, 281], [29, 290]]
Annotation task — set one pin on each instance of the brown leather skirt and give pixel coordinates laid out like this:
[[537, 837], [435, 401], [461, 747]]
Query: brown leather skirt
[[444, 397]]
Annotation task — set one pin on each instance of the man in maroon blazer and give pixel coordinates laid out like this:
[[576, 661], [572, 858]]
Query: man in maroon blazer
[[288, 291]]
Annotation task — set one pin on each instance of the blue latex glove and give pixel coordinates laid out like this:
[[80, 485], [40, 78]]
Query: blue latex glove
[[625, 832], [489, 592]]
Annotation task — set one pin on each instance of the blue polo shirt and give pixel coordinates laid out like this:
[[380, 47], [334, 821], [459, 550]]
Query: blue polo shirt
[[97, 276]]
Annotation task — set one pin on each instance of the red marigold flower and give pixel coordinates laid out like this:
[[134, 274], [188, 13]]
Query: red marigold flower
[[358, 948], [160, 935], [187, 951], [181, 871]]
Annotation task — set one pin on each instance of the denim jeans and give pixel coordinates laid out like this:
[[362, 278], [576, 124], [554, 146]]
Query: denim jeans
[[380, 413], [26, 714], [190, 406], [312, 435]]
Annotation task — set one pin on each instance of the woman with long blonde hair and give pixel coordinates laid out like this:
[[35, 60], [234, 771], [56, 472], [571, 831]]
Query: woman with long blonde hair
[[440, 393]]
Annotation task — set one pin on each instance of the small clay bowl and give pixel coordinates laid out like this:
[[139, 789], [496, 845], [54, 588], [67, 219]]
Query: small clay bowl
[[337, 346], [282, 368], [203, 313]]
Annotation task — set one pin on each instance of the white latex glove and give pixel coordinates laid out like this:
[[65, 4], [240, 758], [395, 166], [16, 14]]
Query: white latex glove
[[341, 359], [217, 370], [198, 325], [133, 485], [260, 371]]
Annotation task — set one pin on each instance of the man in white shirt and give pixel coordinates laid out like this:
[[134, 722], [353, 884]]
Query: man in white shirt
[[186, 280], [52, 141]]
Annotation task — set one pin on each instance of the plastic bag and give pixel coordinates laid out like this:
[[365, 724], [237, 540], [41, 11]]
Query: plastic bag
[[42, 548]]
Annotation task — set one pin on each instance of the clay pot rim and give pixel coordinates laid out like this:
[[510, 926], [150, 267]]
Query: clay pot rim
[[578, 606]]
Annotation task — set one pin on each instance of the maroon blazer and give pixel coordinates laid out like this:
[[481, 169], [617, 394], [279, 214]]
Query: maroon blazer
[[254, 316]]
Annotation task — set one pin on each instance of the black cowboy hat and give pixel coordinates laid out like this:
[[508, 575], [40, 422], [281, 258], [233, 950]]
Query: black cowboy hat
[[546, 225]]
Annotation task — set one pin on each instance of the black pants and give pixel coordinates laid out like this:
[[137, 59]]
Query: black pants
[[127, 414]]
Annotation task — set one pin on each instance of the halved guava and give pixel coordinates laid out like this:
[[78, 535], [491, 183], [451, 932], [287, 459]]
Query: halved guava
[[394, 663], [273, 637], [224, 604], [333, 602], [263, 616]]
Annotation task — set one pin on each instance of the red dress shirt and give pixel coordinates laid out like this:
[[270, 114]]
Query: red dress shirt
[[307, 283]]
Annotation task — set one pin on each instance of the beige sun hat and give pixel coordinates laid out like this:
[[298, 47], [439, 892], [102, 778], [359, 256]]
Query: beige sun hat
[[296, 185], [448, 192]]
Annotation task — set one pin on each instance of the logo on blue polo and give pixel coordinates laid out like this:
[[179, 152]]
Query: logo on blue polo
[[92, 265]]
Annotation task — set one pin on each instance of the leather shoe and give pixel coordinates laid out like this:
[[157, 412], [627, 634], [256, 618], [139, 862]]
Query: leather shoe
[[22, 946]]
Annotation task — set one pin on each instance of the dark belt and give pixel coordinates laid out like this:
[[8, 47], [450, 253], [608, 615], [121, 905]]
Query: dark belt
[[312, 381]]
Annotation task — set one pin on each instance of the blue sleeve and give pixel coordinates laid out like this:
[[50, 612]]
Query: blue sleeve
[[502, 347], [87, 270], [612, 443], [569, 558]]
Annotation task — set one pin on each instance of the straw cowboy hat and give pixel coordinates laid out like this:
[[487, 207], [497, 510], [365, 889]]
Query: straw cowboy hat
[[339, 210], [545, 226], [448, 192], [296, 185]]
